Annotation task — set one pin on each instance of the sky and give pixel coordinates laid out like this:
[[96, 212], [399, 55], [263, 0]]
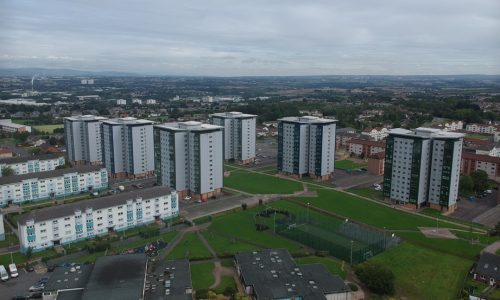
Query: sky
[[253, 37]]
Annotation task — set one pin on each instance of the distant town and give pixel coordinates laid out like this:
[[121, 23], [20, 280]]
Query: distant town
[[322, 187]]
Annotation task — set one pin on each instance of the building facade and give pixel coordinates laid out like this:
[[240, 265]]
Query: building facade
[[189, 158], [128, 149], [83, 139], [26, 165], [482, 128], [472, 162], [52, 184], [306, 146], [239, 135], [422, 168], [2, 229], [7, 126], [68, 223], [376, 134], [365, 148]]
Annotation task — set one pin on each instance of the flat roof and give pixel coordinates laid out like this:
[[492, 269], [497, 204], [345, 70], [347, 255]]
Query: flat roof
[[117, 277], [307, 120], [64, 279], [233, 115], [274, 275], [178, 274], [85, 118], [21, 159], [380, 144], [60, 211], [189, 126], [127, 121], [49, 174], [426, 133]]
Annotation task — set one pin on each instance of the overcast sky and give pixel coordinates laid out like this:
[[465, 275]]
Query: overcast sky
[[253, 37]]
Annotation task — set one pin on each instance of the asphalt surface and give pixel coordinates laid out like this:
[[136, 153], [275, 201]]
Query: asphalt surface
[[345, 180], [266, 151], [20, 285], [473, 210], [192, 210]]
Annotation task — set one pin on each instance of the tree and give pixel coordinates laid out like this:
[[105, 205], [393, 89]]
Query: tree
[[53, 141], [35, 150], [466, 184], [29, 253], [377, 277], [7, 171], [480, 179]]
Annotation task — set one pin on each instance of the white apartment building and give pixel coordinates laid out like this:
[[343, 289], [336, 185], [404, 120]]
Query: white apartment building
[[422, 167], [482, 128], [150, 101], [376, 134], [25, 165], [128, 149], [121, 102], [52, 184], [306, 146], [69, 223], [239, 135], [189, 158], [137, 101], [83, 139]]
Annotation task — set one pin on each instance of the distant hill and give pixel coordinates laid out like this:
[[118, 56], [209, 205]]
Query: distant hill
[[60, 72]]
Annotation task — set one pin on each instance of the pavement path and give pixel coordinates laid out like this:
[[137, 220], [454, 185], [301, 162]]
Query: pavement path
[[490, 217], [493, 248]]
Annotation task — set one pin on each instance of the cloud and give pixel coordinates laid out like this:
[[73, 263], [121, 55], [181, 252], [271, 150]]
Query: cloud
[[258, 37]]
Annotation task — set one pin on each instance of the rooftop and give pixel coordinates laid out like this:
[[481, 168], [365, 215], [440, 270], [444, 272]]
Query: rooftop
[[380, 144], [49, 174], [21, 159], [117, 277], [307, 120], [233, 114], [274, 274], [66, 278], [85, 118], [60, 211], [177, 276], [488, 265], [189, 126], [481, 157], [127, 121], [425, 132]]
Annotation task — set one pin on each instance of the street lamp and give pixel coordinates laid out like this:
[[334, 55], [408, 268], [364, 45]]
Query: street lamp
[[308, 211], [385, 243]]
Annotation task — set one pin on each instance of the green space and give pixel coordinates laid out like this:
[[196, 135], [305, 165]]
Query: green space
[[478, 136], [368, 193], [225, 282], [237, 232], [202, 275], [8, 141], [422, 273], [335, 267], [10, 237], [190, 247], [437, 214], [48, 128], [348, 165], [226, 246], [256, 183]]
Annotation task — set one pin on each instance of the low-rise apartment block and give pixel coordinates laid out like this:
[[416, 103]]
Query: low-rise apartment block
[[490, 164], [376, 134], [239, 135], [306, 146], [52, 184], [482, 128], [422, 168], [189, 158], [76, 221], [32, 164], [365, 148], [128, 148], [7, 126], [83, 139]]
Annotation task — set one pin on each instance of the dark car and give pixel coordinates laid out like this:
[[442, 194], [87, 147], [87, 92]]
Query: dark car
[[36, 295], [30, 268]]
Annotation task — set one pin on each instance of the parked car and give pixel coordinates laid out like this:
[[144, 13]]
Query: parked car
[[36, 295], [13, 271], [3, 273], [30, 268], [488, 191], [187, 198]]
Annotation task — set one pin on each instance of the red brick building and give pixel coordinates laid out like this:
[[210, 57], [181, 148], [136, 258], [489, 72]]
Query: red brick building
[[472, 162]]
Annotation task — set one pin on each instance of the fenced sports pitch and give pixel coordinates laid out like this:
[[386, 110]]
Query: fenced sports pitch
[[346, 240]]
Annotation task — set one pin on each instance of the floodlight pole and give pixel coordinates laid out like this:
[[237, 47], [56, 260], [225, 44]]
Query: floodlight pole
[[352, 243], [385, 241], [308, 211]]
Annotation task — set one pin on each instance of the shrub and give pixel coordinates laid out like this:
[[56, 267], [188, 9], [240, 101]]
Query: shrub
[[378, 278], [354, 287], [244, 206]]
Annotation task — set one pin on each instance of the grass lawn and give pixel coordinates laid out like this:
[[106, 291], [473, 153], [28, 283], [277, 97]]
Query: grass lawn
[[225, 246], [48, 128], [424, 274], [238, 229], [10, 237], [368, 193], [8, 141], [434, 213], [260, 184], [348, 165], [202, 276], [225, 282], [191, 247], [478, 136], [333, 266]]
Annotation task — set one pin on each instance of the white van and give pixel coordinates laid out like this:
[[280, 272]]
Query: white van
[[3, 273], [13, 271]]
